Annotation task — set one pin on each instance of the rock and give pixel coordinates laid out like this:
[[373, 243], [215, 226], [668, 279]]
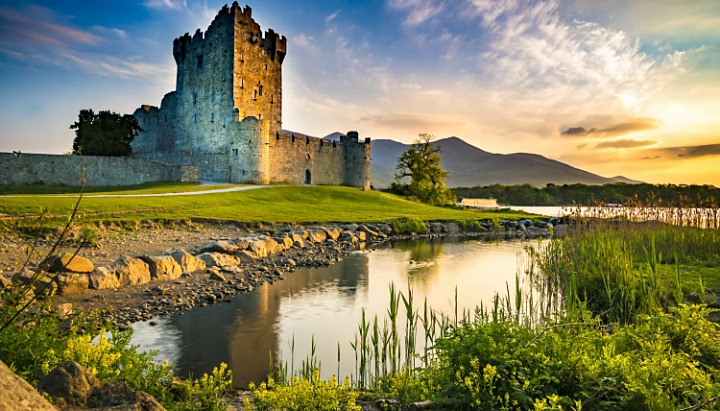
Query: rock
[[217, 276], [299, 234], [299, 243], [117, 396], [131, 271], [24, 277], [17, 395], [247, 257], [272, 247], [72, 283], [188, 263], [103, 278], [64, 309], [222, 246], [361, 235], [218, 259], [318, 236], [384, 228], [286, 242], [350, 227], [258, 247], [511, 224], [436, 228], [69, 384], [452, 228], [332, 233], [163, 267], [68, 263], [5, 281], [522, 227], [45, 287], [367, 230]]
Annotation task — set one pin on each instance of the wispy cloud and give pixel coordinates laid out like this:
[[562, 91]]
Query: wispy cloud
[[331, 17], [616, 130], [169, 4], [419, 11], [31, 27], [626, 143], [415, 122]]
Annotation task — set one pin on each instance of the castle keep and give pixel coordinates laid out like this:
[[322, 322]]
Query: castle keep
[[225, 114]]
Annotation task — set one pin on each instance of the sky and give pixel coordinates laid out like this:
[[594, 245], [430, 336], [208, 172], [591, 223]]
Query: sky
[[615, 87]]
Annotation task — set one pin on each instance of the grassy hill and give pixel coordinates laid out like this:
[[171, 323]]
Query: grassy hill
[[278, 204]]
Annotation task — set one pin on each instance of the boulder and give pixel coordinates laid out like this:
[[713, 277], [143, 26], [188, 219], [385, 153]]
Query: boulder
[[332, 233], [452, 228], [117, 396], [522, 227], [25, 277], [218, 259], [436, 228], [222, 246], [163, 267], [131, 271], [361, 235], [298, 235], [69, 384], [17, 395], [346, 234], [68, 263], [103, 278], [299, 243], [318, 236], [45, 287], [188, 262], [258, 247], [369, 231], [384, 228], [72, 283], [350, 227], [286, 242], [64, 309], [247, 257], [272, 247]]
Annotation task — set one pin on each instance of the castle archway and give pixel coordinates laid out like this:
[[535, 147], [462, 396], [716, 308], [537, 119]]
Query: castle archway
[[308, 177]]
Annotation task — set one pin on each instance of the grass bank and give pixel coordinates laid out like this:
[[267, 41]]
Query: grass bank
[[147, 188], [277, 204]]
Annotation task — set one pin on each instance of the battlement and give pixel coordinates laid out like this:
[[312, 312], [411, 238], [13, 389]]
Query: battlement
[[275, 45]]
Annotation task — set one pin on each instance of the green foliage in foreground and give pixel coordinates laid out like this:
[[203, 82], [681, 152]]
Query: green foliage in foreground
[[278, 204], [307, 393], [35, 343]]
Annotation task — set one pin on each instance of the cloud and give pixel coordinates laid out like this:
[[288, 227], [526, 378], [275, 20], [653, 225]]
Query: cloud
[[616, 130], [411, 121], [695, 151], [169, 4], [331, 17], [626, 143], [419, 11], [31, 26]]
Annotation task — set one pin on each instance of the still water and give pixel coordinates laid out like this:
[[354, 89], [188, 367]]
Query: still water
[[327, 303]]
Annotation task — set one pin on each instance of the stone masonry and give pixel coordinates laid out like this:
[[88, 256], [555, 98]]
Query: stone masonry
[[225, 114]]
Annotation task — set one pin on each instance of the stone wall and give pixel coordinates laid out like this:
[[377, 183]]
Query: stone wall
[[99, 171]]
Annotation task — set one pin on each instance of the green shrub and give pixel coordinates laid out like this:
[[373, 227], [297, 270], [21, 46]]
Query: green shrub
[[409, 226], [304, 394]]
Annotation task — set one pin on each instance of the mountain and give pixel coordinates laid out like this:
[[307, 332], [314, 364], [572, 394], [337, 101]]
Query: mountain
[[471, 166]]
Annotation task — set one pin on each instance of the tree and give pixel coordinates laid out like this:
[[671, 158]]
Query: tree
[[422, 163], [104, 133]]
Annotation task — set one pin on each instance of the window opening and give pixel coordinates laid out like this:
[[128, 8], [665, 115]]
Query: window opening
[[212, 117], [200, 61], [277, 136], [212, 96], [194, 98], [307, 140], [260, 90]]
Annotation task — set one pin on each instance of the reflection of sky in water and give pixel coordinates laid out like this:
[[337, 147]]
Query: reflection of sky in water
[[327, 303]]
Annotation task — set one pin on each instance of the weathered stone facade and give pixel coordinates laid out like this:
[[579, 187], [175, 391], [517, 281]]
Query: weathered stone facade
[[225, 115], [96, 170]]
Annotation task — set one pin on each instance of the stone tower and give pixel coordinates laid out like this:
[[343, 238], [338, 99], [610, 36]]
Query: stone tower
[[225, 114]]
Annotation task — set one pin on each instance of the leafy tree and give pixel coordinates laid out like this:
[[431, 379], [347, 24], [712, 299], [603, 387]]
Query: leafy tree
[[104, 133], [422, 163]]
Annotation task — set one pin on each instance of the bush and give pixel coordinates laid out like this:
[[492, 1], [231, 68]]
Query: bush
[[409, 226], [304, 394]]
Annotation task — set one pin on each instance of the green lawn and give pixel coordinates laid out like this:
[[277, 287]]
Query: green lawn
[[147, 188], [273, 204]]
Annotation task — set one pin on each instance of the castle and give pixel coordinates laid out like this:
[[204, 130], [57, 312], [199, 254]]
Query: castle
[[225, 115]]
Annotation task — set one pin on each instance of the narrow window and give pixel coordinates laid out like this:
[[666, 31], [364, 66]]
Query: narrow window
[[195, 98], [212, 96], [195, 118], [212, 117], [260, 90], [307, 140], [334, 144], [277, 136], [243, 172], [266, 67], [272, 98], [223, 76], [293, 137], [242, 83], [255, 95], [322, 143], [223, 121], [200, 61], [242, 58]]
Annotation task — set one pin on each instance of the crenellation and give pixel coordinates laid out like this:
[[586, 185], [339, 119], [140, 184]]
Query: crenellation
[[225, 114]]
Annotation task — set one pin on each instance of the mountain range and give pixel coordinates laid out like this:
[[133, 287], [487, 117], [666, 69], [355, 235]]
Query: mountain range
[[470, 166]]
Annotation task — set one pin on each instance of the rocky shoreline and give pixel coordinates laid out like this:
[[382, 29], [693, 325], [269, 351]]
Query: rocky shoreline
[[144, 287]]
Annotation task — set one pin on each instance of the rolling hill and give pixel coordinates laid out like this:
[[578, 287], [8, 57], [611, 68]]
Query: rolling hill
[[471, 166]]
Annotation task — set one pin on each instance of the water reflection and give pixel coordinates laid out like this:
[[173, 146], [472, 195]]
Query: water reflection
[[326, 304]]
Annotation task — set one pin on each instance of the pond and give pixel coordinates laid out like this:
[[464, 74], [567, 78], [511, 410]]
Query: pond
[[325, 305]]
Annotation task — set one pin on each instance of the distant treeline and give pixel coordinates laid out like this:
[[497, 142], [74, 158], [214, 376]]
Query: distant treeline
[[567, 194]]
